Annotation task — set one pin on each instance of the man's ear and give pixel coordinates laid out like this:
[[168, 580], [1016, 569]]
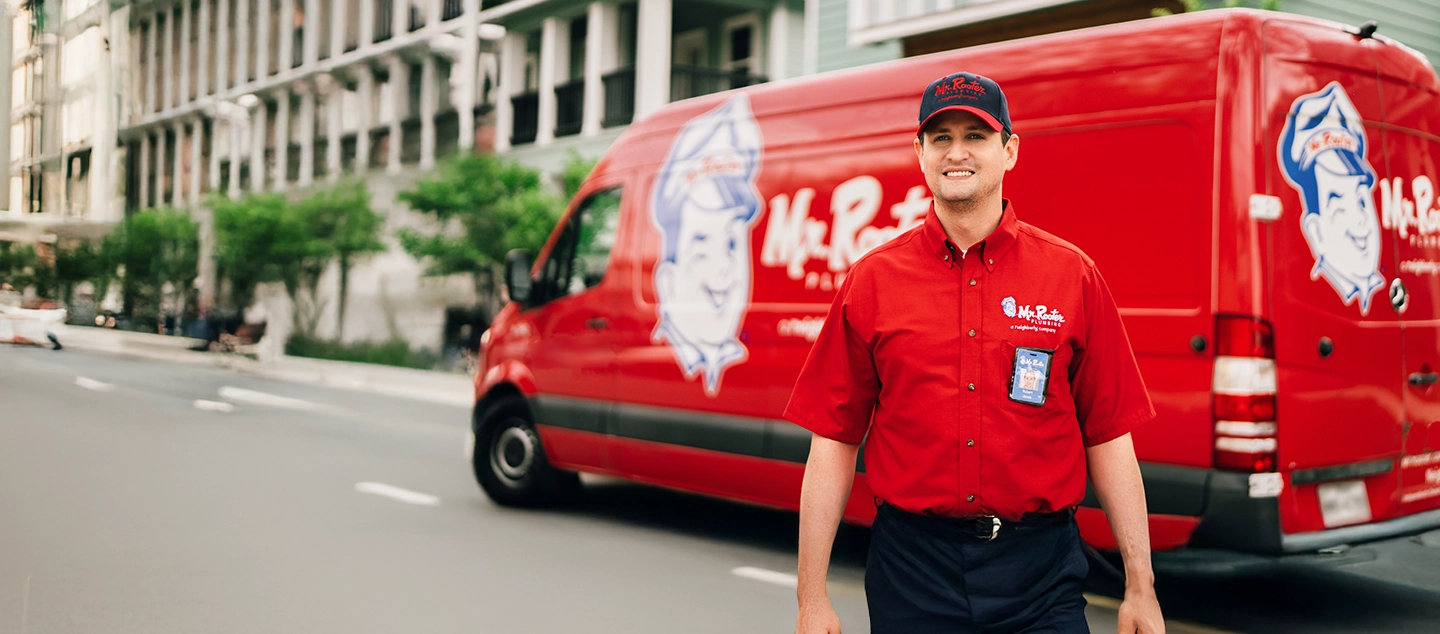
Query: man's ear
[[1012, 152], [919, 148]]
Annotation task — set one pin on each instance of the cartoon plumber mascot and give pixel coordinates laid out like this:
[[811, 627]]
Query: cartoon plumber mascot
[[704, 204], [1322, 154]]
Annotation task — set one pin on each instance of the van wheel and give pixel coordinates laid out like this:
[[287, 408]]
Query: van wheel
[[510, 462]]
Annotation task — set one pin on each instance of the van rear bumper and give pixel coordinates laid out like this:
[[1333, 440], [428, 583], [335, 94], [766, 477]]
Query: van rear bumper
[[1232, 520]]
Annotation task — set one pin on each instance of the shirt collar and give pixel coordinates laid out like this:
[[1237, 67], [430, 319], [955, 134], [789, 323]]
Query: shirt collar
[[993, 248]]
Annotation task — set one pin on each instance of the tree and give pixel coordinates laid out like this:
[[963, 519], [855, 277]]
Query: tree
[[341, 217], [246, 234], [152, 251], [81, 261], [485, 207]]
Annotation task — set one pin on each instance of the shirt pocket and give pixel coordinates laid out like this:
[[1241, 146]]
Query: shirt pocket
[[1045, 384]]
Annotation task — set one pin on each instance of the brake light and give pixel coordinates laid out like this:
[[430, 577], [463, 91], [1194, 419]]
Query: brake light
[[1244, 394]]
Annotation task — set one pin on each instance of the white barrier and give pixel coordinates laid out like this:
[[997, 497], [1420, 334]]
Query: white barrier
[[21, 325]]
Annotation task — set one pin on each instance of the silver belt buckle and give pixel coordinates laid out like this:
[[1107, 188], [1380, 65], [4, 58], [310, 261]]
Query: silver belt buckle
[[994, 528]]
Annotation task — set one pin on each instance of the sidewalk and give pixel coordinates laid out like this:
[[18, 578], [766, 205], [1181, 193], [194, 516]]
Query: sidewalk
[[422, 385]]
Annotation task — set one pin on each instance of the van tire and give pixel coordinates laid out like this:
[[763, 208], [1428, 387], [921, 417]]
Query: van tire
[[509, 460]]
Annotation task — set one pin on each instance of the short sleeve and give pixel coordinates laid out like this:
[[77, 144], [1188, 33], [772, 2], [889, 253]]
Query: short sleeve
[[836, 392], [1110, 396]]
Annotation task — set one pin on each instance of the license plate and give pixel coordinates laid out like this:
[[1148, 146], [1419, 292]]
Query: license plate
[[1344, 503]]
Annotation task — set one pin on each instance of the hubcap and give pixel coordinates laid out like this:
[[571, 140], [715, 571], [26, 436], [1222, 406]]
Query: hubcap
[[512, 455]]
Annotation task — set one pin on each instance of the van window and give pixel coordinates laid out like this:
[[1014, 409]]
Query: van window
[[582, 253]]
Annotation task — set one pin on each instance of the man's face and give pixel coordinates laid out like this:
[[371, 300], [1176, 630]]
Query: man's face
[[1345, 231], [706, 290], [963, 159]]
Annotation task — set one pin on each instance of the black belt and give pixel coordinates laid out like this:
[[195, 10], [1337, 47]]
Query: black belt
[[988, 527]]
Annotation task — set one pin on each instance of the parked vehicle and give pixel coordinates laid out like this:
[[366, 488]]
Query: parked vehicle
[[1258, 189]]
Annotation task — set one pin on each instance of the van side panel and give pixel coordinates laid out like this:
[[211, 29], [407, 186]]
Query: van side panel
[[1338, 412], [1409, 212], [1148, 229]]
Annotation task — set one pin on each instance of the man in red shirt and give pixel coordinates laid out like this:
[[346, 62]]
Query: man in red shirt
[[984, 364]]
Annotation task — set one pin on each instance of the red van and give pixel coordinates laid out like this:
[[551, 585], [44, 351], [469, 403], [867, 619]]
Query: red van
[[1259, 188]]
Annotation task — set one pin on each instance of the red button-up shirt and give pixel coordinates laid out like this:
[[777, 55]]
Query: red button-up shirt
[[918, 351]]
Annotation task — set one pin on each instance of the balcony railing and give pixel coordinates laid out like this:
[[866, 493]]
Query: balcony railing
[[693, 81], [453, 9], [569, 107], [527, 117], [384, 19], [619, 97]]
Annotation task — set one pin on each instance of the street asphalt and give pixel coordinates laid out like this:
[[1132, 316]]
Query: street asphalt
[[141, 496]]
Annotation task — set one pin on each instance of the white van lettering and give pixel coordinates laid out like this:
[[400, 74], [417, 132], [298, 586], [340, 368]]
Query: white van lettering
[[1406, 216], [793, 238]]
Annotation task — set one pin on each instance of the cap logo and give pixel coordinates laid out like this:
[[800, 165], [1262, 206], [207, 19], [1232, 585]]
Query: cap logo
[[1330, 140], [959, 88]]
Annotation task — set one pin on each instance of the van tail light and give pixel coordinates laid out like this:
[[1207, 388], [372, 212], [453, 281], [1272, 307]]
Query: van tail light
[[1244, 394]]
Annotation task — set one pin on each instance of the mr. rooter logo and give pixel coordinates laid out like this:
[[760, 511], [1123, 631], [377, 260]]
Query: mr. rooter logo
[[958, 87]]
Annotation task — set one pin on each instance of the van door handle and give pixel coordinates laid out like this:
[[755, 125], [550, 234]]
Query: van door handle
[[1424, 378], [599, 323]]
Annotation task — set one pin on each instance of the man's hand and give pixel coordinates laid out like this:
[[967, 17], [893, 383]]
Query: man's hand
[[817, 616], [1140, 613]]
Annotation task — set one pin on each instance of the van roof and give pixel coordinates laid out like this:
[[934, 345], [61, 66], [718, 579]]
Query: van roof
[[1180, 40]]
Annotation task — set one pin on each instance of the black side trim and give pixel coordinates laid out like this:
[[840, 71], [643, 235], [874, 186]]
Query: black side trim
[[756, 437], [1169, 490], [570, 413], [1341, 472], [788, 442], [730, 434]]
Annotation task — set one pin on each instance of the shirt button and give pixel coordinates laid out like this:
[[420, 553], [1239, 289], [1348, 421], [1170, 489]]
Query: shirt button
[[970, 499], [970, 443], [972, 282], [991, 261], [972, 387], [972, 332], [947, 258]]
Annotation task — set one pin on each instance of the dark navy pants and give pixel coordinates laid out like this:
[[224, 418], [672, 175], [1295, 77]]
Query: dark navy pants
[[924, 575]]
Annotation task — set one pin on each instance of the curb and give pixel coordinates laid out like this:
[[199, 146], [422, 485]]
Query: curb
[[421, 385]]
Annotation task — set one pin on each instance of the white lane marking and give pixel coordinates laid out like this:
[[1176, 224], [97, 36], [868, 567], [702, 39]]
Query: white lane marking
[[214, 406], [767, 576], [92, 384], [262, 398], [397, 493], [25, 607]]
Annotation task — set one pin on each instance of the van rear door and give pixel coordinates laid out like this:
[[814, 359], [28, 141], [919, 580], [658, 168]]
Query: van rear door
[[1409, 214], [1337, 340]]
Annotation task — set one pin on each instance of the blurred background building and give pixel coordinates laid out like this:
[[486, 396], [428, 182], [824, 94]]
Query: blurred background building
[[119, 106]]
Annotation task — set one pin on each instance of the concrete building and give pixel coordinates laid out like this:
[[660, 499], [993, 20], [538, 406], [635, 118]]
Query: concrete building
[[62, 157]]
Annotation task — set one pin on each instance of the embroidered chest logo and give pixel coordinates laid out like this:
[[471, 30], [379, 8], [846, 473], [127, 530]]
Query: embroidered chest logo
[[1039, 318]]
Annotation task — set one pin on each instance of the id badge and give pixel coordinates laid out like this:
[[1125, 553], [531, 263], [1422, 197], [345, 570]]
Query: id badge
[[1030, 376]]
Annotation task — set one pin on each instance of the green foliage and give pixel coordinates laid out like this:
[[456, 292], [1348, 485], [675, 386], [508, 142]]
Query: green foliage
[[1191, 6], [81, 261], [572, 176], [254, 243], [22, 267], [264, 238], [341, 220], [395, 352], [151, 249], [486, 206]]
